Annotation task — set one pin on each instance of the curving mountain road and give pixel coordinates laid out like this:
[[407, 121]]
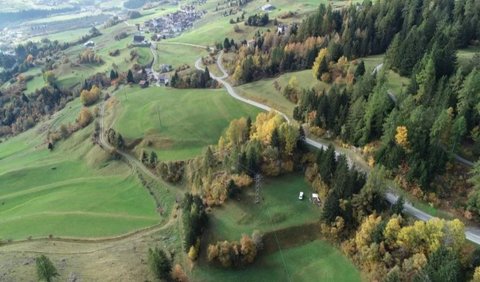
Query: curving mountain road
[[472, 234]]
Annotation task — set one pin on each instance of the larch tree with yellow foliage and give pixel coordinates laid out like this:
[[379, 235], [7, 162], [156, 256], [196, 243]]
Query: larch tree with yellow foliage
[[320, 65], [264, 126], [476, 275], [401, 137]]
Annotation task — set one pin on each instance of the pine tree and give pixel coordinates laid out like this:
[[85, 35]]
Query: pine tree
[[393, 53], [323, 66], [275, 139], [249, 126], [112, 75], [208, 159], [317, 68], [360, 71], [130, 78], [120, 142], [331, 208], [153, 159], [175, 80], [144, 157], [328, 165], [226, 44], [207, 74], [426, 79], [160, 265]]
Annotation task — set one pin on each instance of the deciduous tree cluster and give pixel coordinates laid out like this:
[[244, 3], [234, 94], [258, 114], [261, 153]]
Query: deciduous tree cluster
[[269, 146], [234, 254], [89, 97]]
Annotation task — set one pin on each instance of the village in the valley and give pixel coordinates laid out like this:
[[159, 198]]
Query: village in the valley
[[173, 24]]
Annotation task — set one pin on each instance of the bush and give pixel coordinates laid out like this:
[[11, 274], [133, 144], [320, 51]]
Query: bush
[[89, 57], [85, 117], [159, 263], [178, 274], [45, 268], [89, 97], [235, 253]]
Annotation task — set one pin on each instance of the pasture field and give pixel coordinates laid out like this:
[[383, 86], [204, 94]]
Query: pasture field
[[396, 83], [280, 209], [177, 55], [264, 90], [214, 27], [72, 73], [85, 195], [372, 61], [178, 124], [465, 55], [36, 82], [63, 36], [314, 261]]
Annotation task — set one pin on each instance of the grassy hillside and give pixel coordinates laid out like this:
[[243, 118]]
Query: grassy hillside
[[177, 124], [465, 55], [264, 90], [63, 36], [177, 55], [71, 73], [214, 27], [82, 195], [280, 209]]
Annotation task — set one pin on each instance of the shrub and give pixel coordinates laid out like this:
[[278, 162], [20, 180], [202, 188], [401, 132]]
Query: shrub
[[89, 97], [159, 263], [85, 117], [45, 268]]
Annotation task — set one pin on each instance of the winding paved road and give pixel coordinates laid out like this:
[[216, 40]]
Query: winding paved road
[[472, 234]]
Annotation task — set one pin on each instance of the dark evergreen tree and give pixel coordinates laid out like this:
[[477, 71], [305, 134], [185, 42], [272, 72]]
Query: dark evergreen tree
[[360, 71], [153, 159], [130, 78], [159, 263], [226, 44]]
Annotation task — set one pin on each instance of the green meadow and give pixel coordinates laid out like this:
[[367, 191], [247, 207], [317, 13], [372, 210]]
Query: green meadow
[[71, 73], [264, 90], [313, 261], [177, 123], [280, 209], [46, 193], [177, 55]]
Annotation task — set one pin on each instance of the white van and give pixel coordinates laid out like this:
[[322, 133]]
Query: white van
[[300, 196]]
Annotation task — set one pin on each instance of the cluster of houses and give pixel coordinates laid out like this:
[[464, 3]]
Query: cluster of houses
[[173, 24]]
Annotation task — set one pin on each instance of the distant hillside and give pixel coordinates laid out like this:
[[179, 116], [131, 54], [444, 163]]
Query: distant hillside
[[9, 17]]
